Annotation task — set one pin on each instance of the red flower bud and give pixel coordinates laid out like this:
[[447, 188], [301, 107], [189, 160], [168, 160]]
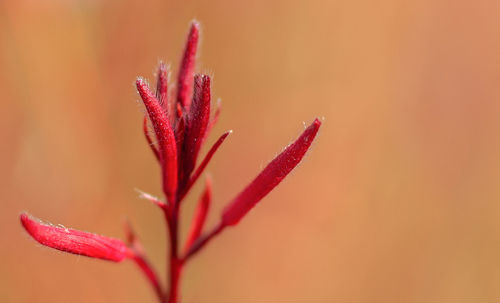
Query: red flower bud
[[271, 176], [165, 136], [197, 122], [186, 71], [75, 241]]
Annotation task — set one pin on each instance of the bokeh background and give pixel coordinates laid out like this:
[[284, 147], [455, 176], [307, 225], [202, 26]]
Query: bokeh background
[[398, 200]]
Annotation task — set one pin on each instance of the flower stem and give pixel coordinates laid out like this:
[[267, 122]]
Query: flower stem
[[175, 263]]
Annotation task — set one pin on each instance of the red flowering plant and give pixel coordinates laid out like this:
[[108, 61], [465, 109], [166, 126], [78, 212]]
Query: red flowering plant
[[180, 126]]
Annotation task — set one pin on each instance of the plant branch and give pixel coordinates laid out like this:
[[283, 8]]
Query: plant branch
[[139, 257], [150, 274], [202, 241]]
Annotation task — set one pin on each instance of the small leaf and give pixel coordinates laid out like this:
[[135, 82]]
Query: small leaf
[[75, 241], [151, 198], [271, 176], [200, 215]]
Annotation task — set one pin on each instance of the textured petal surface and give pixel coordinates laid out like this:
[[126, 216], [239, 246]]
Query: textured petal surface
[[271, 176], [165, 136], [75, 241], [186, 71], [197, 124]]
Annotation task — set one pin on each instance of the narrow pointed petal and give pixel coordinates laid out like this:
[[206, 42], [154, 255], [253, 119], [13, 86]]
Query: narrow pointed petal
[[166, 139], [148, 138], [200, 215], [186, 71], [151, 198], [271, 176], [162, 87], [197, 123], [214, 120], [75, 241], [203, 164]]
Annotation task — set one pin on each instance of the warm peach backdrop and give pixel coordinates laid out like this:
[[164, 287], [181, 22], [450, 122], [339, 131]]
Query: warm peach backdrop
[[398, 201]]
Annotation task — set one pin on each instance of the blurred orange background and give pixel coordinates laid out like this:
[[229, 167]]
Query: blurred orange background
[[398, 200]]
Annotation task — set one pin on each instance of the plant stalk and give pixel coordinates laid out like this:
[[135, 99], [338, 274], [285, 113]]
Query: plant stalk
[[175, 263]]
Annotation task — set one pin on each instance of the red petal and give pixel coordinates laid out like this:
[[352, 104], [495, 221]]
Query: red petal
[[186, 71], [162, 87], [75, 241], [271, 176], [200, 215], [166, 139], [197, 122]]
